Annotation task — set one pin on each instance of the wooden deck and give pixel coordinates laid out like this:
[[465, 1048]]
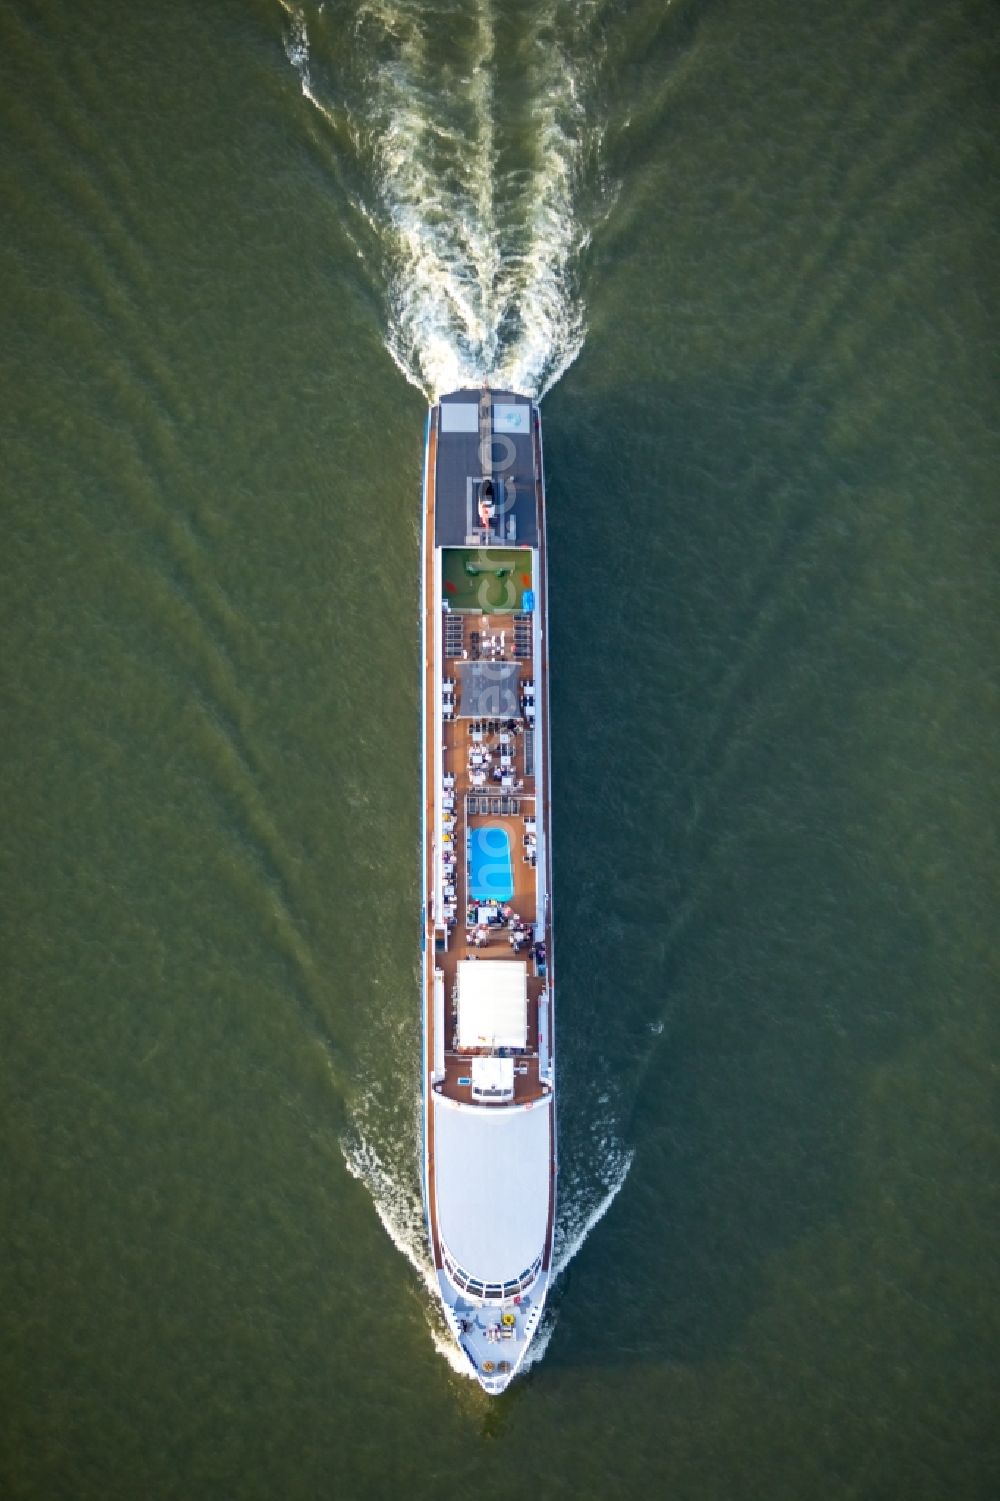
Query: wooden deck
[[460, 739]]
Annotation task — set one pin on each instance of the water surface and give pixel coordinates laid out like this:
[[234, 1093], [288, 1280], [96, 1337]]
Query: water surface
[[747, 251]]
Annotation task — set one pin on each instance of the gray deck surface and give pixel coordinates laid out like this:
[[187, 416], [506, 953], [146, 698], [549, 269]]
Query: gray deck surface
[[458, 462], [488, 690]]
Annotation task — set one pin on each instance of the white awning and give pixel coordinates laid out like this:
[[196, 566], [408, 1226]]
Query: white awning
[[492, 1003]]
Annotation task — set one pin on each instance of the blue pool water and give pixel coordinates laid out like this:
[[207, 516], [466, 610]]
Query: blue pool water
[[491, 870]]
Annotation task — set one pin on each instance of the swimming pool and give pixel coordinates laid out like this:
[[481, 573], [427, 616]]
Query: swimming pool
[[491, 869]]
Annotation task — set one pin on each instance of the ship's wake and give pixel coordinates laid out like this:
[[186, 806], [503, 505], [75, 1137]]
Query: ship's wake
[[390, 1170], [475, 173]]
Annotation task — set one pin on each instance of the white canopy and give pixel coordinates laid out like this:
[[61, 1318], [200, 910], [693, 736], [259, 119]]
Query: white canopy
[[492, 1003]]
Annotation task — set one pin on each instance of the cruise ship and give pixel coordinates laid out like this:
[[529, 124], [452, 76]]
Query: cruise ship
[[488, 1063]]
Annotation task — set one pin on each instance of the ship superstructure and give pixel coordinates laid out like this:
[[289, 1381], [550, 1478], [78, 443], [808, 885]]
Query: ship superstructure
[[488, 1055]]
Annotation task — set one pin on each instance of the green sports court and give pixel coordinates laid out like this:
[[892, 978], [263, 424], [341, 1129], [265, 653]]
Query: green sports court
[[490, 579]]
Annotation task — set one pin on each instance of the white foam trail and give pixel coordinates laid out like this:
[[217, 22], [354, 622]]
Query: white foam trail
[[400, 1209], [474, 298], [551, 311], [297, 52], [481, 275], [574, 1225], [574, 1222], [435, 180]]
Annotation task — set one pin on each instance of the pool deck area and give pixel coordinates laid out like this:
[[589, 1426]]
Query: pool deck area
[[459, 739], [491, 866]]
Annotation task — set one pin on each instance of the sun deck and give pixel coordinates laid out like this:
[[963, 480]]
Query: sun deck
[[488, 783]]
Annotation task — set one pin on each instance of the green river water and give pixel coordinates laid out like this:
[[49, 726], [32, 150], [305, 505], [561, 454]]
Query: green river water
[[746, 250]]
